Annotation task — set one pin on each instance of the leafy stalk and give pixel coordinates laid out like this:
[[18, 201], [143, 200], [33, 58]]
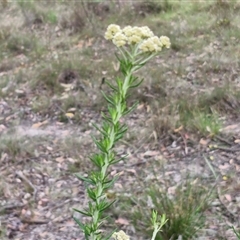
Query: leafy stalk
[[132, 58], [111, 132]]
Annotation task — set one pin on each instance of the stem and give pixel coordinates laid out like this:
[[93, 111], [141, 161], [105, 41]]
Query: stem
[[119, 109], [154, 234], [144, 59], [112, 131]]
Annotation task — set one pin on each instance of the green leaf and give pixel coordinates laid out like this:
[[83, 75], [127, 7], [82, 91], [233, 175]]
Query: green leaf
[[118, 137], [118, 160], [88, 180], [138, 67], [119, 59], [97, 159], [82, 212], [132, 79], [92, 194], [111, 86], [131, 109], [137, 84], [109, 184], [122, 129], [105, 117], [119, 83], [100, 145], [100, 130], [236, 233], [82, 226], [87, 230], [108, 99], [120, 133], [112, 112], [110, 234], [106, 205]]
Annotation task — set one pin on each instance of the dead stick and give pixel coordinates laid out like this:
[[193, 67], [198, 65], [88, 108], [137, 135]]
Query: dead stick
[[24, 178]]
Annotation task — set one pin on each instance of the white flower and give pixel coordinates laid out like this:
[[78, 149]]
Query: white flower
[[133, 34], [112, 30], [142, 36], [146, 32], [151, 45], [165, 41], [119, 39], [136, 34], [128, 31], [157, 42], [134, 39], [121, 235], [137, 31]]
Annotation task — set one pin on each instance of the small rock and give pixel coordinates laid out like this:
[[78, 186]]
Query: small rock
[[27, 196]]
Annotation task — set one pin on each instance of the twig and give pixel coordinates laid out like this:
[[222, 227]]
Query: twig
[[236, 149], [90, 17], [223, 140], [59, 205], [10, 207], [34, 221], [233, 216], [24, 178]]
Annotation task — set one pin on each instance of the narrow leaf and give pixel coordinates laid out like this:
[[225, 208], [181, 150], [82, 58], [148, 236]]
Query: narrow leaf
[[84, 179], [108, 99], [137, 84], [100, 130], [82, 212], [131, 109], [111, 86]]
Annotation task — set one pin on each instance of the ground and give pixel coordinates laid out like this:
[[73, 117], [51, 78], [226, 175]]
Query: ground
[[185, 127]]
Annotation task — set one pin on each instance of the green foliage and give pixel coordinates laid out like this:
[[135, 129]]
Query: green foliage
[[132, 57], [20, 44], [206, 124], [236, 233], [201, 114], [17, 43], [111, 131], [40, 104], [51, 17], [16, 146], [184, 210], [26, 4], [47, 77]]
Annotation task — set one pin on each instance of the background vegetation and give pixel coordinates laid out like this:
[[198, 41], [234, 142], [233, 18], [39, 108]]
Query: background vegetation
[[183, 139]]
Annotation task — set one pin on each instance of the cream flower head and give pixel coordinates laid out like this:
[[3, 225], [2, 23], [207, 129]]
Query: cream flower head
[[157, 42], [149, 45], [146, 32], [121, 235], [120, 39], [143, 37], [134, 39], [133, 34], [136, 34], [128, 31], [112, 30], [165, 41]]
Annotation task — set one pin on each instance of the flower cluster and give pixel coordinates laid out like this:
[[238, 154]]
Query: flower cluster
[[141, 36], [121, 235]]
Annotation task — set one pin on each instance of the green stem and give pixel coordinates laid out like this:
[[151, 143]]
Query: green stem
[[154, 234], [122, 93]]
